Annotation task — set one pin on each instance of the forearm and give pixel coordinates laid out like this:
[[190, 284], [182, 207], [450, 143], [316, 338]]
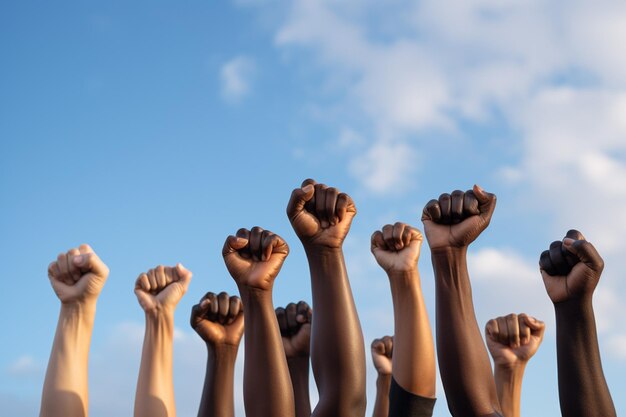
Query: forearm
[[217, 395], [582, 387], [509, 386], [299, 373], [463, 359], [267, 386], [155, 389], [65, 390], [337, 349], [413, 351], [381, 406]]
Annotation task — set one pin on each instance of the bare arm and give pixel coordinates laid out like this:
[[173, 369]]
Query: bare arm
[[571, 270], [512, 341], [451, 223], [254, 259], [321, 217], [295, 328], [382, 352], [396, 249], [77, 278], [218, 320], [158, 292]]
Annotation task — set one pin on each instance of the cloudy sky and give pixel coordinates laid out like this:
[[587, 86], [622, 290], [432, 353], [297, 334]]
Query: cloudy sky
[[153, 130]]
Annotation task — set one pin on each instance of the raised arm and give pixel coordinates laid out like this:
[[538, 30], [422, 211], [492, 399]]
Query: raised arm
[[382, 352], [77, 278], [512, 340], [218, 320], [321, 217], [254, 258], [295, 329], [158, 291], [451, 223], [571, 271], [397, 249]]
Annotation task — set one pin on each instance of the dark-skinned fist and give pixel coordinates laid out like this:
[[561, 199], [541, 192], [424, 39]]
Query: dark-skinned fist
[[218, 319], [294, 322]]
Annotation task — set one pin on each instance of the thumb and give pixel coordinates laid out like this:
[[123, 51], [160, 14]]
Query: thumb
[[184, 275], [233, 244], [299, 197], [586, 252], [90, 262], [486, 202]]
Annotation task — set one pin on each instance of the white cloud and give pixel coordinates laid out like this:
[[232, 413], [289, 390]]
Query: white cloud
[[236, 78], [25, 366]]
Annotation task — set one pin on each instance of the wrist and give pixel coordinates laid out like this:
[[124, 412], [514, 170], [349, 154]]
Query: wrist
[[301, 361], [223, 351], [82, 308], [448, 252], [160, 314], [512, 370], [312, 249]]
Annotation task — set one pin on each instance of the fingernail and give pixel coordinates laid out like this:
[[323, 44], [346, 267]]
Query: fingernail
[[568, 241], [307, 188], [78, 259]]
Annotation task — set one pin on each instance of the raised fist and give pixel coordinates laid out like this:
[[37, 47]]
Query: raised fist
[[456, 220], [382, 352], [570, 269], [397, 248], [512, 340], [161, 288], [254, 257], [218, 319], [294, 322], [320, 215], [78, 275]]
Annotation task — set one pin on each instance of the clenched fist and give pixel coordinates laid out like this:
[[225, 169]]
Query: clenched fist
[[218, 319], [382, 352], [320, 215], [78, 275], [161, 288], [294, 322], [254, 257], [397, 247], [512, 340], [456, 220], [570, 269]]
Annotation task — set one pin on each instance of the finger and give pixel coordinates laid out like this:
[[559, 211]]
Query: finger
[[445, 204], [184, 276], [556, 256], [570, 258], [73, 269], [377, 241], [492, 330], [343, 205], [304, 312], [291, 312], [470, 204], [154, 285], [398, 231], [88, 261], [456, 206], [196, 315], [524, 329], [388, 236], [503, 331], [537, 327], [545, 263], [256, 235], [575, 234], [388, 342], [512, 323], [299, 197], [212, 307], [278, 245], [331, 205], [234, 244], [378, 346], [586, 252], [486, 202], [266, 245], [281, 317], [53, 270], [432, 211], [223, 301], [320, 205], [159, 274], [64, 273], [235, 308], [143, 283]]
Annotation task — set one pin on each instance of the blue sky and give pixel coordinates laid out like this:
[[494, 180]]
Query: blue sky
[[153, 130]]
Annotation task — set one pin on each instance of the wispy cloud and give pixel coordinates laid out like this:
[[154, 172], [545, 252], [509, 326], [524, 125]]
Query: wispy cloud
[[236, 78]]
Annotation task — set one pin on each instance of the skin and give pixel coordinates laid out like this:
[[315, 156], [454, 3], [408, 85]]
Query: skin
[[294, 322], [321, 217], [254, 258], [396, 249], [219, 321], [571, 270], [158, 292], [382, 353], [77, 278], [512, 340], [451, 223]]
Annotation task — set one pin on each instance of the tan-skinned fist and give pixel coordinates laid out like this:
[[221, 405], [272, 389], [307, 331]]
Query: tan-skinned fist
[[513, 339], [382, 353], [161, 288], [397, 247]]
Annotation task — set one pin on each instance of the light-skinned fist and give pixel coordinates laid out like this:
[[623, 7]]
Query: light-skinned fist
[[294, 322], [512, 340], [320, 215], [397, 247], [254, 257], [571, 268], [78, 275], [455, 220], [218, 319], [161, 288]]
